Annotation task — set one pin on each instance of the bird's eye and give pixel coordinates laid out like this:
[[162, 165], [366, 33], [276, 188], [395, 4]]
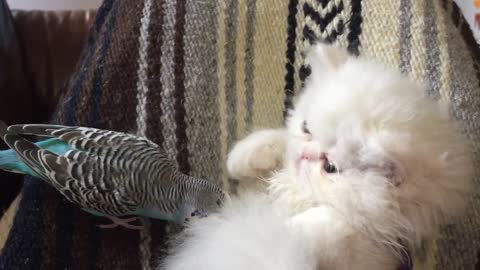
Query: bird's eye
[[305, 128], [329, 167]]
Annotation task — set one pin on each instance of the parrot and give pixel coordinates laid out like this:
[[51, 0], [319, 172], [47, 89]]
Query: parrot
[[109, 174]]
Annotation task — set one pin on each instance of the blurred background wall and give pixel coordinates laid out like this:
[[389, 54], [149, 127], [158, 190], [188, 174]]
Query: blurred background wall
[[53, 4]]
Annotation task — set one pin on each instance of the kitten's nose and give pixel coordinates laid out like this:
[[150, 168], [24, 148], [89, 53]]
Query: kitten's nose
[[311, 151]]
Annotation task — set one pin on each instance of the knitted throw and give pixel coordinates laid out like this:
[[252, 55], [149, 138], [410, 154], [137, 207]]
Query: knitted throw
[[194, 76]]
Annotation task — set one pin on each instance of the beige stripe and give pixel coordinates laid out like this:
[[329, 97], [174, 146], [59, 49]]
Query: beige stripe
[[240, 68], [270, 47], [167, 80], [426, 260], [142, 88], [222, 102], [449, 7], [444, 55], [417, 61], [380, 37], [7, 221]]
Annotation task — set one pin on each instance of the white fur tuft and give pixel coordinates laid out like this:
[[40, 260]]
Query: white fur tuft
[[248, 234]]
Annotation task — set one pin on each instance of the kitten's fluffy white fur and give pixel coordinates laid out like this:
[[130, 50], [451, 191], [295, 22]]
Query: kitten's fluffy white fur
[[365, 166]]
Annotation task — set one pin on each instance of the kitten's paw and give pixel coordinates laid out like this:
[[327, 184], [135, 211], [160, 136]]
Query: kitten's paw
[[268, 157], [258, 155], [322, 223]]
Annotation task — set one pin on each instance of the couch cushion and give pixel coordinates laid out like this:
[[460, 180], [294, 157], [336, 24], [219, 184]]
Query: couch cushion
[[51, 42], [16, 101], [196, 75]]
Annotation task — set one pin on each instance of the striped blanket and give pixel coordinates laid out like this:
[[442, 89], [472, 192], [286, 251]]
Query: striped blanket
[[194, 76]]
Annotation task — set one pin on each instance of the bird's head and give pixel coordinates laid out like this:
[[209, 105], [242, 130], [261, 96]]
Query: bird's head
[[204, 198]]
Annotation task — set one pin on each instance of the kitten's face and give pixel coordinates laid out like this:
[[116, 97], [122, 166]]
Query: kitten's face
[[357, 123]]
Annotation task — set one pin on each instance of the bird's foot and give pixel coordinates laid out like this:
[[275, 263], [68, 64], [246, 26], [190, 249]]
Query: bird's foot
[[122, 223]]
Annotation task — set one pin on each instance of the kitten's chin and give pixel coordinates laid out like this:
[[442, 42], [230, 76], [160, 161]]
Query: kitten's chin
[[309, 176]]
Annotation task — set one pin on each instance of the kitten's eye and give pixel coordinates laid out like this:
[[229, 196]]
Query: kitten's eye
[[329, 167], [304, 128]]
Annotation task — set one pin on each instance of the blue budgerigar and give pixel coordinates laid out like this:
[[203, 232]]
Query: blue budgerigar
[[109, 173]]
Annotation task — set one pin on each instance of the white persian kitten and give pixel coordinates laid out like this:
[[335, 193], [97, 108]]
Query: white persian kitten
[[365, 167]]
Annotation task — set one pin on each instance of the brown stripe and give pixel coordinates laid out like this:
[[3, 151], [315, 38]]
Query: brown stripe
[[470, 40], [249, 65], [456, 14], [80, 240], [406, 14], [84, 90], [158, 245], [472, 46], [444, 4], [154, 98], [118, 99], [118, 248], [179, 54]]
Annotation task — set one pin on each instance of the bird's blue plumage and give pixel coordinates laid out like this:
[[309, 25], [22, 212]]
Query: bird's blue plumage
[[10, 162]]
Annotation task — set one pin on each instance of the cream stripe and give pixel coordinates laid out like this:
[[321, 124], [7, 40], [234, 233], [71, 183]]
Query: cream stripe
[[425, 260], [7, 220], [444, 55], [417, 61], [240, 68], [380, 39], [269, 64], [167, 80], [142, 87], [142, 90], [222, 102]]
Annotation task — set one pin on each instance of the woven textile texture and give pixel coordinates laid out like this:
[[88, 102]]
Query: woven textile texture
[[194, 76]]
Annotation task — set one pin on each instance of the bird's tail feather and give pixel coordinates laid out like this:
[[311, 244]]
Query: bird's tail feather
[[9, 162], [8, 159]]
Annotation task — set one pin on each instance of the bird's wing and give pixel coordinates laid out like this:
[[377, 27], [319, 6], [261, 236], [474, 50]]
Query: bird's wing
[[102, 180], [84, 138], [103, 169]]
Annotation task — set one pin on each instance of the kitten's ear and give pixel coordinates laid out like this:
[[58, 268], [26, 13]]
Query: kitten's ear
[[325, 58]]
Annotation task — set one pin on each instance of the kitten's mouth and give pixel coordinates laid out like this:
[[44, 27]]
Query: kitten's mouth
[[310, 175]]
